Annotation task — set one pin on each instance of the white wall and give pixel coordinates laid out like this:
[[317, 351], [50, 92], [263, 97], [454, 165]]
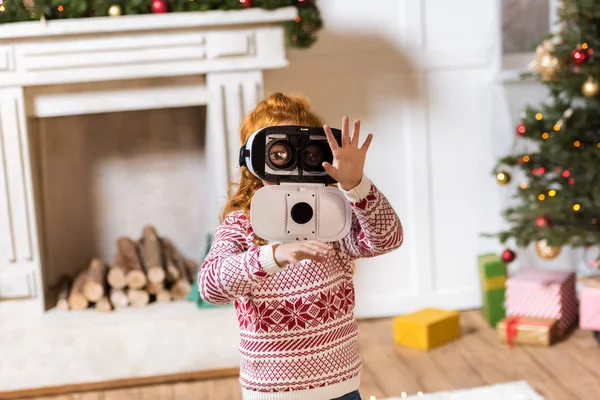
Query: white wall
[[419, 74]]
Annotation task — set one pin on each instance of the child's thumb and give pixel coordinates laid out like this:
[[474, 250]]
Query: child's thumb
[[328, 168]]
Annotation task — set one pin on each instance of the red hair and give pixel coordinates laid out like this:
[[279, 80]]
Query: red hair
[[276, 109]]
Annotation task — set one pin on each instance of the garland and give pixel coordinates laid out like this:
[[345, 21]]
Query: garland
[[300, 33]]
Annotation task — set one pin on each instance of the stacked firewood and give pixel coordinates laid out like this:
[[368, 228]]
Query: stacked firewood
[[149, 269]]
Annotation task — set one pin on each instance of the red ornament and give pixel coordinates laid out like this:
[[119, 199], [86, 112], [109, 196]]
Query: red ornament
[[566, 173], [542, 222], [571, 181], [159, 7], [246, 3], [521, 129], [297, 19], [579, 56], [508, 256], [538, 171]]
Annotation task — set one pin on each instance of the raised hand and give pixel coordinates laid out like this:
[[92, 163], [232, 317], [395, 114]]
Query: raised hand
[[349, 159]]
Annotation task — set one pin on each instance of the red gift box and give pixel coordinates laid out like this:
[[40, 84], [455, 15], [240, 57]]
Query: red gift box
[[542, 293]]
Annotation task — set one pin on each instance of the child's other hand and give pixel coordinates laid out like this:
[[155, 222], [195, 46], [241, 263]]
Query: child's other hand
[[292, 253], [349, 159]]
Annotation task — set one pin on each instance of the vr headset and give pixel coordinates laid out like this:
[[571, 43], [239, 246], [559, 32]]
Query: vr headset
[[300, 206]]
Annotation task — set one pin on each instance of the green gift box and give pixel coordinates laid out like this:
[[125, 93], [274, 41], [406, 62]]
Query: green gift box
[[493, 274]]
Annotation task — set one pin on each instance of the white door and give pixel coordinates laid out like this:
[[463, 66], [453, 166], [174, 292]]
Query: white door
[[419, 73]]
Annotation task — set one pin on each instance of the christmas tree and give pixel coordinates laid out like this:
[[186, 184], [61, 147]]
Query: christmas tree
[[300, 33], [557, 203]]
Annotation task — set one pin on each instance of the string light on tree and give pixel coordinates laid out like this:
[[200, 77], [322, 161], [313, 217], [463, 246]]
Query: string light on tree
[[521, 129], [114, 10]]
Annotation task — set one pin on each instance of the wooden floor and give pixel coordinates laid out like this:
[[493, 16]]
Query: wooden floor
[[568, 370]]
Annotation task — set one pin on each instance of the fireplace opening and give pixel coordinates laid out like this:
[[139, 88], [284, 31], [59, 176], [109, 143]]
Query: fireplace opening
[[105, 177]]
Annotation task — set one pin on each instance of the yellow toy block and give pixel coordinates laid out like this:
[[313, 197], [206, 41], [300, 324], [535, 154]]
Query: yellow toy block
[[427, 328]]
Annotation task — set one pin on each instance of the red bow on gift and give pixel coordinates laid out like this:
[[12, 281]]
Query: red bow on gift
[[512, 326]]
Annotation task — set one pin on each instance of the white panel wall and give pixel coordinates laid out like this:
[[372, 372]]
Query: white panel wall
[[419, 75]]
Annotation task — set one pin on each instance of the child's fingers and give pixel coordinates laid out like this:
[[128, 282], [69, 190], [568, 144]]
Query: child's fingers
[[312, 251], [345, 131], [330, 138], [355, 133], [316, 248], [315, 257], [367, 142], [323, 245]]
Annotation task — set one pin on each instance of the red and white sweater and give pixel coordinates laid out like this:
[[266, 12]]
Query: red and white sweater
[[298, 335]]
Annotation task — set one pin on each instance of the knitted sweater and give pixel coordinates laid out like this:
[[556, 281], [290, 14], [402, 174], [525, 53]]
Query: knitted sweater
[[298, 335]]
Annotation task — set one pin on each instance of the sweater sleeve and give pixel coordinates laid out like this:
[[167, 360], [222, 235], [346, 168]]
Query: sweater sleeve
[[376, 228], [232, 268]]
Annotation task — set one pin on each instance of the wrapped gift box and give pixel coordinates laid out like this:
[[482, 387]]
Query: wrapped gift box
[[543, 294], [528, 331], [492, 273], [427, 328], [589, 308]]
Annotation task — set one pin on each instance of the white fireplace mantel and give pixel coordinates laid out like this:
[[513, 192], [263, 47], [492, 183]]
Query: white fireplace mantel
[[97, 65]]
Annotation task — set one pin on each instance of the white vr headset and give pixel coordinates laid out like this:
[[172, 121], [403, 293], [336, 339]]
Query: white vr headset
[[300, 206]]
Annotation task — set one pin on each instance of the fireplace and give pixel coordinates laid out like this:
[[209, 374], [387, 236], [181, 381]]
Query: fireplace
[[106, 127]]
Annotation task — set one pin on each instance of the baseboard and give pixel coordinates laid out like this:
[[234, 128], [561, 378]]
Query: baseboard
[[390, 305], [120, 383]]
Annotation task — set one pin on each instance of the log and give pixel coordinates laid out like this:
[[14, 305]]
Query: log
[[119, 299], [127, 269], [64, 285], [175, 263], [180, 289], [152, 255], [164, 296], [93, 288], [138, 298], [104, 305], [77, 301], [117, 278], [155, 287]]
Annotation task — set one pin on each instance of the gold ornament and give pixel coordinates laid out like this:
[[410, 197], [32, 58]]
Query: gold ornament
[[546, 252], [114, 10], [545, 63], [503, 177], [590, 87]]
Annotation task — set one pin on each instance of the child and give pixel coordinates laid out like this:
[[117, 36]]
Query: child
[[295, 301]]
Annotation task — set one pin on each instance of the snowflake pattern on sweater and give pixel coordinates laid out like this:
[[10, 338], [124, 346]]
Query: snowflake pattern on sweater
[[297, 326]]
